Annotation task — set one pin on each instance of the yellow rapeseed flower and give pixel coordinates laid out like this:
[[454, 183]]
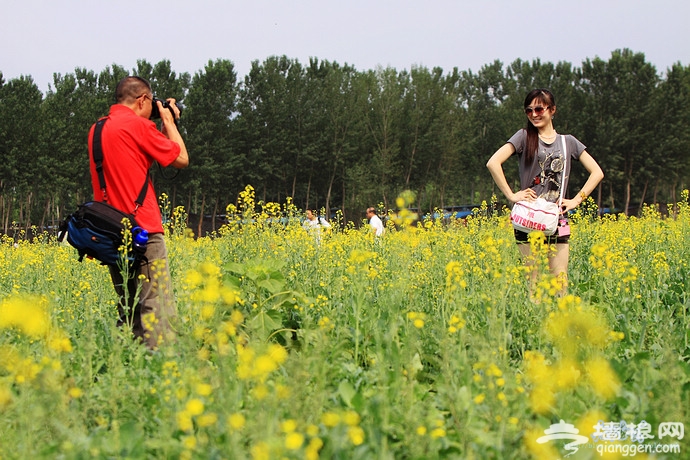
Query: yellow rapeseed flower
[[59, 342], [566, 373], [312, 450], [260, 451], [356, 435], [602, 378], [294, 440], [288, 426], [494, 371], [189, 442], [236, 317], [5, 396], [351, 418], [28, 314], [282, 391], [194, 407], [586, 423], [326, 324], [438, 433], [208, 419], [236, 421], [542, 399], [264, 365], [539, 450], [330, 419], [537, 369], [193, 279], [184, 421], [277, 353], [260, 392]]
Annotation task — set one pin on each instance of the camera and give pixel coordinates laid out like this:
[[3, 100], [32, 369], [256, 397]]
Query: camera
[[155, 114]]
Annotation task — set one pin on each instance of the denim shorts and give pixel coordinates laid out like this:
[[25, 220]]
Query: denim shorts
[[521, 238]]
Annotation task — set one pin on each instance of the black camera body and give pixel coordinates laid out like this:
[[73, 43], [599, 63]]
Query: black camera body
[[155, 113]]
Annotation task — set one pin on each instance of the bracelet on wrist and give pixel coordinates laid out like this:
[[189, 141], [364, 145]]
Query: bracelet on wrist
[[583, 197]]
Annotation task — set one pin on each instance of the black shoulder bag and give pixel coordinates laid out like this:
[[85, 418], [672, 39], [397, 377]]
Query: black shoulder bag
[[97, 229]]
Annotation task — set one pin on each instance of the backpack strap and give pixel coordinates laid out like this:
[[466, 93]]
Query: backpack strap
[[97, 149], [565, 164]]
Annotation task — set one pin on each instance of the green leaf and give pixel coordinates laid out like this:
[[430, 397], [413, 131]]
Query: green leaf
[[235, 267], [347, 392], [265, 322], [233, 281], [271, 285]]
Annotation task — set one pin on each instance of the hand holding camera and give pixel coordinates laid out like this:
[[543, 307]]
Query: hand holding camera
[[174, 110]]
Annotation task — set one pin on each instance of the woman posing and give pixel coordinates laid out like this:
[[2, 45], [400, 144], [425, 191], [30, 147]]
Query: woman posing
[[541, 165]]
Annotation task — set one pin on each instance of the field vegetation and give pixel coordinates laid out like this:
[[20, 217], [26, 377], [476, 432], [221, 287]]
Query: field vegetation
[[422, 344]]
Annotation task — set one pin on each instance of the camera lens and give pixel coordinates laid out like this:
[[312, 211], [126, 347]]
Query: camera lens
[[155, 113]]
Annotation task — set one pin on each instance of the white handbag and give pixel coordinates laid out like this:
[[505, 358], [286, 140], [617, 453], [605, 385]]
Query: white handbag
[[541, 215]]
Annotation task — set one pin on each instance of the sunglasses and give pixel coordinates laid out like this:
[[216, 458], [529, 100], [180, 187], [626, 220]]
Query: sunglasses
[[538, 110]]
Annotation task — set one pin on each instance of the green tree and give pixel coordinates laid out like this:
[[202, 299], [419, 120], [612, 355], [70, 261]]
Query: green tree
[[620, 94], [378, 175], [21, 122], [270, 125], [335, 129], [486, 96], [215, 165], [671, 152]]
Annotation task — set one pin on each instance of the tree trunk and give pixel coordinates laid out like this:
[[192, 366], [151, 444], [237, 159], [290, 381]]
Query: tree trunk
[[46, 211], [306, 204], [189, 202], [644, 192], [201, 214], [213, 216], [330, 190], [28, 212]]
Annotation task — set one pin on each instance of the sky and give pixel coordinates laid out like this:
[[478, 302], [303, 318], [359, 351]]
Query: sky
[[42, 37]]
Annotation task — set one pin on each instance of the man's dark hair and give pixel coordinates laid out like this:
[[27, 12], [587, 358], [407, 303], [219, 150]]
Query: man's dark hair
[[130, 88]]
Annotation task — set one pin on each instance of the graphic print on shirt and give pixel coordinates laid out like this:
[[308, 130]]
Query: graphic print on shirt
[[551, 165]]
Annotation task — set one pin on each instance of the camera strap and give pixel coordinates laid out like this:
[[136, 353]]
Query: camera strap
[[97, 149]]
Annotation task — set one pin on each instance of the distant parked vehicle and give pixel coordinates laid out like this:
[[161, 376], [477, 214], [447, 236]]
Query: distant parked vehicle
[[460, 212], [450, 213]]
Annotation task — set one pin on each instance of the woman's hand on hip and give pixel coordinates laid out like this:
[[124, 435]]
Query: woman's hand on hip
[[524, 195]]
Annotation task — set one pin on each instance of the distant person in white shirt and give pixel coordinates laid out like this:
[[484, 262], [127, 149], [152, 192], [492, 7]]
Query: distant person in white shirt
[[314, 222], [314, 225], [374, 221]]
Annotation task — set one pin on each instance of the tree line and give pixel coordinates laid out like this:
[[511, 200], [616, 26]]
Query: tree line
[[332, 137]]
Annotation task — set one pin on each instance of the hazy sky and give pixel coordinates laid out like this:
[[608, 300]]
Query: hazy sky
[[40, 37]]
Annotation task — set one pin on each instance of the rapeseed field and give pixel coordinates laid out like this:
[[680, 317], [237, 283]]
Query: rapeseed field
[[425, 343]]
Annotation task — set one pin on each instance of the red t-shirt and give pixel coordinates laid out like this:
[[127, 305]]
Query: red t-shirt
[[130, 146]]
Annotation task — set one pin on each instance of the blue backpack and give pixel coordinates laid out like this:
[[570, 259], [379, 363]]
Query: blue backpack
[[96, 229]]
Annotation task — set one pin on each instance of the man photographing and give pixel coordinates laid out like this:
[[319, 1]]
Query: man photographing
[[131, 143]]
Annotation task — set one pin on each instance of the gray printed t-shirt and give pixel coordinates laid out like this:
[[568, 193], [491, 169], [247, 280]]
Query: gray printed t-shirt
[[544, 175]]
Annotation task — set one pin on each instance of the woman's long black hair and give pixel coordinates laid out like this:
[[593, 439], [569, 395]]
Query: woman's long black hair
[[545, 97]]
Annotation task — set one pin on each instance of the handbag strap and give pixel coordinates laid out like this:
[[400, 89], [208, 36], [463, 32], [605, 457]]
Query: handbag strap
[[565, 164], [97, 149]]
